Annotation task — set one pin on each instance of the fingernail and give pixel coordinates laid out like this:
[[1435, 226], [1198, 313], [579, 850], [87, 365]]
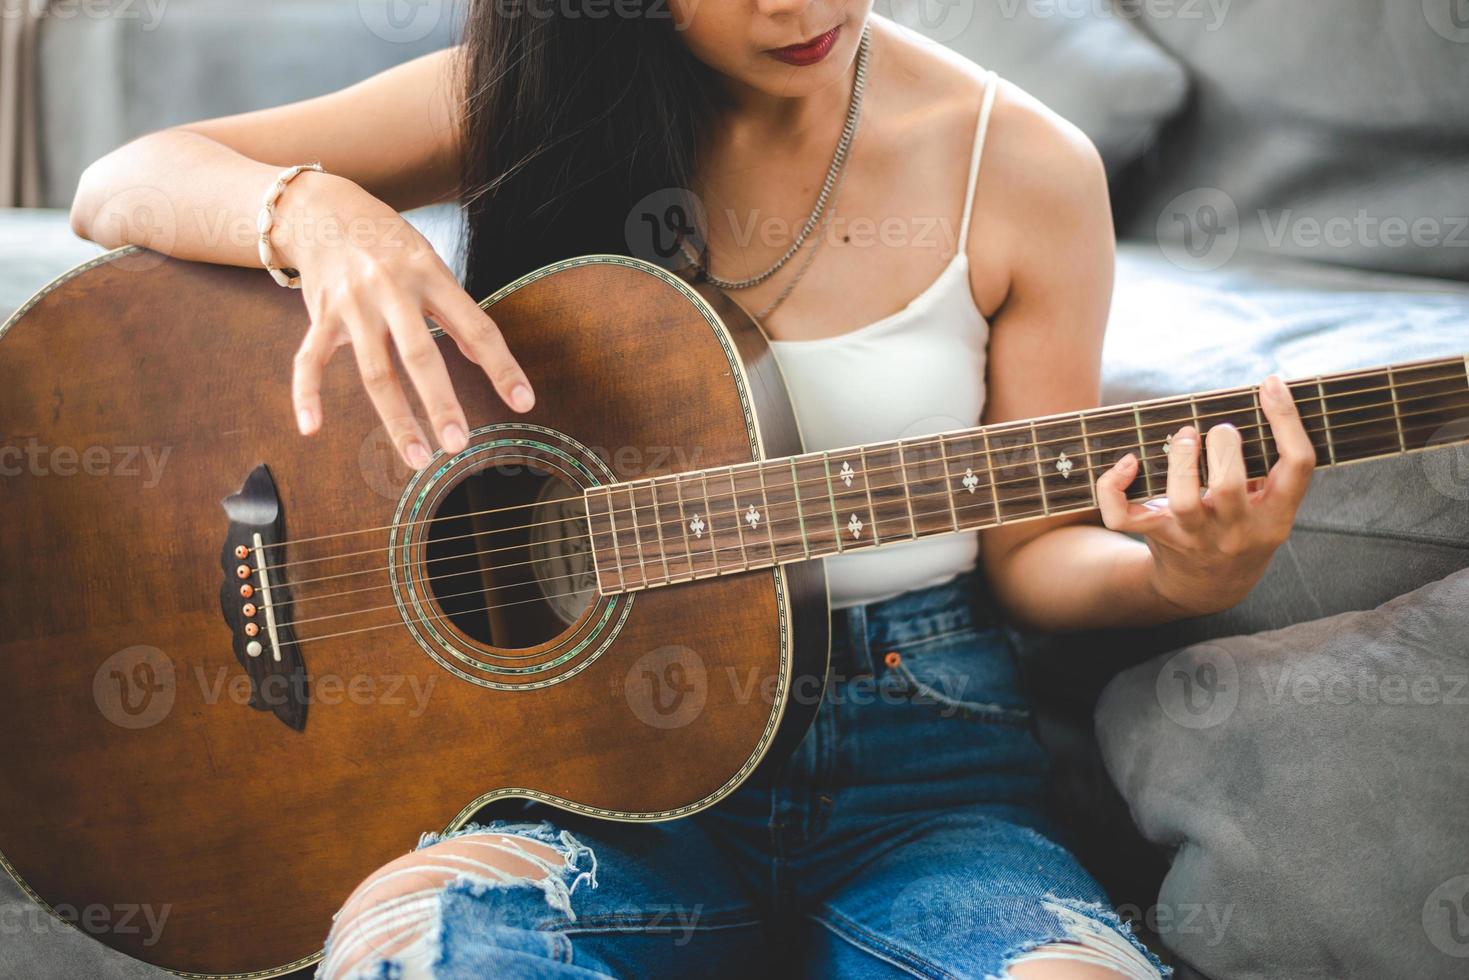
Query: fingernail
[[417, 455], [1128, 461], [521, 398], [306, 420], [454, 437]]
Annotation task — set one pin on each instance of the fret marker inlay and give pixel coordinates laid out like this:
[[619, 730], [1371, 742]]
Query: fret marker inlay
[[1063, 466], [970, 481], [752, 517], [697, 525], [846, 473], [855, 526]]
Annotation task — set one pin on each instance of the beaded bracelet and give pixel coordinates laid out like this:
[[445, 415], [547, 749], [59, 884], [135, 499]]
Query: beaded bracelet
[[289, 278]]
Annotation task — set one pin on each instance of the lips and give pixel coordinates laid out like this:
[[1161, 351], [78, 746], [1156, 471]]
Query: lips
[[809, 52]]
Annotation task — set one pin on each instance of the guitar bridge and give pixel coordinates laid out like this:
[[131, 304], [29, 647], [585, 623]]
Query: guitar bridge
[[256, 602]]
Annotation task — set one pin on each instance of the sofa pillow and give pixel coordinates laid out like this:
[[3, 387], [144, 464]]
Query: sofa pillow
[[1085, 62], [1334, 131], [1309, 783]]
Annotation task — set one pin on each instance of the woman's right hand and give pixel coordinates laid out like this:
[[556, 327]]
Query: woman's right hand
[[369, 278]]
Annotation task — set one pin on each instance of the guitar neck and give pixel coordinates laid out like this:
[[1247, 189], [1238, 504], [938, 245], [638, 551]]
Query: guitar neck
[[674, 528]]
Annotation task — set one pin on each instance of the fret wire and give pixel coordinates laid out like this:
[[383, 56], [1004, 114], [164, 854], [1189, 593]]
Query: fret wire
[[989, 465], [612, 509], [765, 501], [1044, 512], [683, 527], [1397, 412], [616, 550], [1326, 422], [1193, 408], [734, 498], [658, 526], [1261, 429], [867, 489], [796, 489], [948, 483], [632, 503], [713, 548], [1142, 448], [831, 496], [907, 497], [1086, 452], [1040, 473]]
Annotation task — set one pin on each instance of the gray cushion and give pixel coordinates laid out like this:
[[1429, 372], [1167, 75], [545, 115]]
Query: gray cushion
[[108, 79], [1322, 130], [1092, 68], [38, 946], [1310, 784], [1176, 330]]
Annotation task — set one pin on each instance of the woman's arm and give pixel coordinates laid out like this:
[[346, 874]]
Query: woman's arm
[[368, 278], [394, 136], [1198, 555]]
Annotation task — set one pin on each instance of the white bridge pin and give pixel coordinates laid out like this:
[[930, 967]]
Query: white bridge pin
[[254, 649]]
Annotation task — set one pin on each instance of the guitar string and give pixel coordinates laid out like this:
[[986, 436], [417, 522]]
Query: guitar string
[[986, 456], [1001, 428], [772, 562], [771, 542], [1030, 479]]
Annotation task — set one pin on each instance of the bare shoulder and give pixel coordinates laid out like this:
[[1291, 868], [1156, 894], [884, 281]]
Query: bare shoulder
[[1041, 178]]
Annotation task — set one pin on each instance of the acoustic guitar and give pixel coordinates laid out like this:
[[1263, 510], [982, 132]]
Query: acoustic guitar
[[243, 669]]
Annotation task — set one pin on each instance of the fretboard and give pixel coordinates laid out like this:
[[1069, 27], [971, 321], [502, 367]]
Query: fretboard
[[701, 523]]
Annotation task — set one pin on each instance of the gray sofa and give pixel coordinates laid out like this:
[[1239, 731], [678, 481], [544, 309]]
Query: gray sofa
[[1263, 162]]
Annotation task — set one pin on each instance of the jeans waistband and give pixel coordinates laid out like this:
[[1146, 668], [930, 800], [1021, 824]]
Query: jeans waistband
[[861, 634]]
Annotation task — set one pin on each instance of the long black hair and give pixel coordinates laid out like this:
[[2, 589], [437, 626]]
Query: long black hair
[[570, 120]]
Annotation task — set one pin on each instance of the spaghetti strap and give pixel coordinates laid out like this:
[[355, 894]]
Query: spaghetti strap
[[991, 85]]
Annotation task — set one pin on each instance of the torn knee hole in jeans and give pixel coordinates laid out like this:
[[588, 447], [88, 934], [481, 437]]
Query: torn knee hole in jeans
[[1090, 937], [391, 926]]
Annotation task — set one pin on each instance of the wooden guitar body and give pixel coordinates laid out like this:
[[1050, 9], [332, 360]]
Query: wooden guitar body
[[138, 393]]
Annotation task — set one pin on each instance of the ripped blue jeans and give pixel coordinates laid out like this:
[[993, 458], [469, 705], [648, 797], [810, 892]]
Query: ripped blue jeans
[[904, 837]]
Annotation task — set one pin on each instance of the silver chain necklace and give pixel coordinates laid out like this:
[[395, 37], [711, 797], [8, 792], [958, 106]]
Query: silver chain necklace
[[828, 186]]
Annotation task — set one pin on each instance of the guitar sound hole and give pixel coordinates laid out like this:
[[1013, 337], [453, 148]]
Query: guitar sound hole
[[509, 561]]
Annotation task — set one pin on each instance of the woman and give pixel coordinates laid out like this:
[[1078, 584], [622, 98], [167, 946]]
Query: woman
[[956, 266]]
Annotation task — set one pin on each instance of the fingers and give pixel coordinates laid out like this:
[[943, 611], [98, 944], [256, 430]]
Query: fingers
[[425, 365], [315, 350], [1228, 495], [482, 342], [1119, 513], [375, 364], [1290, 477], [1183, 479]]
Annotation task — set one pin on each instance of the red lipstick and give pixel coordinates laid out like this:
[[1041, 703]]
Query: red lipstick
[[808, 52]]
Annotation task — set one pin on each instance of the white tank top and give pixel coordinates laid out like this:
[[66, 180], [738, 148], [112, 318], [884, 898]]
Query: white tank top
[[917, 372]]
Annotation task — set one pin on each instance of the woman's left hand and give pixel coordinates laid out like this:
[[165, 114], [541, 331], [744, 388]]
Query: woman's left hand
[[1210, 549]]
